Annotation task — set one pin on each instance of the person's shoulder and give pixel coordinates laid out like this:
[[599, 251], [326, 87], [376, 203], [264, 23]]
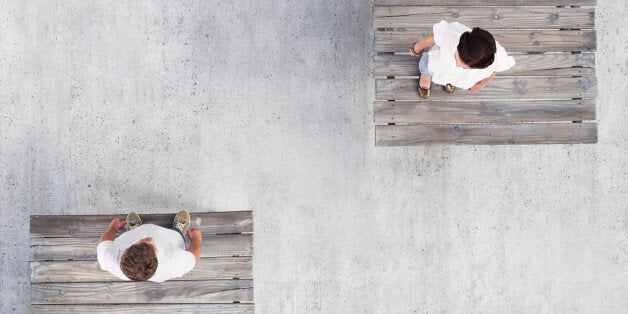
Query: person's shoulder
[[448, 34], [175, 264], [453, 27], [103, 246], [183, 256], [105, 243], [502, 61]]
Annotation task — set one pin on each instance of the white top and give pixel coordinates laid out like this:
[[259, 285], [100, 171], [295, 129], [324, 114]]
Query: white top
[[442, 60], [172, 258]]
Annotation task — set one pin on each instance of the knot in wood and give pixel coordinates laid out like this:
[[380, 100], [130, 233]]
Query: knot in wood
[[457, 131], [455, 15], [495, 16], [554, 17], [585, 83], [522, 86]]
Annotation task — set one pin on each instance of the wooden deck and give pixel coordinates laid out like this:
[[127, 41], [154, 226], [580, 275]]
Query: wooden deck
[[65, 276], [548, 97]]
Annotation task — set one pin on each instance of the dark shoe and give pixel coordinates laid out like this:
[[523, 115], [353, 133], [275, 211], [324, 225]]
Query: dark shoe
[[133, 221], [182, 221], [450, 88], [424, 93]]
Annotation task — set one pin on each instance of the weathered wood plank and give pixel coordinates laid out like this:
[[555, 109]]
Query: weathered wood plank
[[483, 111], [520, 17], [89, 271], [489, 2], [558, 64], [85, 248], [232, 308], [96, 225], [512, 40], [211, 291], [503, 88], [491, 134]]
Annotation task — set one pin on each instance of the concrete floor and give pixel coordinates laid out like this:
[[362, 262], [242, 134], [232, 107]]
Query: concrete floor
[[108, 106]]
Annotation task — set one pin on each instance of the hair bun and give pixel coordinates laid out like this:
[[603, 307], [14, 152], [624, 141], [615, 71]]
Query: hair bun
[[477, 48]]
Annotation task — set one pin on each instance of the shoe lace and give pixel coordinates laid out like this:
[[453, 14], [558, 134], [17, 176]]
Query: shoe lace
[[181, 225], [133, 224]]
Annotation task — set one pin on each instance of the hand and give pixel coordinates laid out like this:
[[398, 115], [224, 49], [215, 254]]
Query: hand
[[414, 52], [117, 224], [476, 88], [195, 234]]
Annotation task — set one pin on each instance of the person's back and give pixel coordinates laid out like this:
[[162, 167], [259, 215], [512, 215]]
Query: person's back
[[458, 56], [149, 252]]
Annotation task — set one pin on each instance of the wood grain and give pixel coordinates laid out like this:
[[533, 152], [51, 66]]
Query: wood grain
[[491, 134], [483, 111], [559, 64], [502, 88], [96, 225], [89, 271], [229, 308], [520, 17], [511, 40], [223, 245], [210, 291], [489, 2]]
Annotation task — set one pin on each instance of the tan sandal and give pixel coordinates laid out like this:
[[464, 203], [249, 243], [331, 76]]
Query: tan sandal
[[424, 93], [449, 88]]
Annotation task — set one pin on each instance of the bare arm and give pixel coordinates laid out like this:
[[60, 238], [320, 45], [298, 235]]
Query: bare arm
[[418, 47], [479, 85], [115, 225], [195, 245]]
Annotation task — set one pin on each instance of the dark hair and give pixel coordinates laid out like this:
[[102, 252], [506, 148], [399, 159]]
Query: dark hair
[[477, 48], [139, 261]]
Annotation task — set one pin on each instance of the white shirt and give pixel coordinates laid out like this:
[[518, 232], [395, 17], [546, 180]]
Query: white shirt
[[172, 258], [442, 60]]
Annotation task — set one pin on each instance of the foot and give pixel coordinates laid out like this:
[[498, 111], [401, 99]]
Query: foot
[[424, 87], [425, 82], [182, 221], [450, 88], [133, 221]]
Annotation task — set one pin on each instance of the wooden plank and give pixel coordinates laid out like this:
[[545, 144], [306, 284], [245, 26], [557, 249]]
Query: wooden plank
[[489, 2], [483, 111], [210, 291], [412, 17], [512, 40], [229, 308], [558, 64], [492, 134], [96, 225], [503, 88], [85, 248], [89, 271]]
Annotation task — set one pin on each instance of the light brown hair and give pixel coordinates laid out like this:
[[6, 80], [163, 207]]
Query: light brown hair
[[139, 261]]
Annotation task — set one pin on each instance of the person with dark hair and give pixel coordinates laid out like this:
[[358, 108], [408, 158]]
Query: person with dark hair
[[457, 56], [149, 252]]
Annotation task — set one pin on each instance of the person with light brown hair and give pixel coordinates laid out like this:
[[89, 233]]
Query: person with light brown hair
[[149, 252]]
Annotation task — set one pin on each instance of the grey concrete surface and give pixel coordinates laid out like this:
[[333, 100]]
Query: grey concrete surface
[[107, 106]]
